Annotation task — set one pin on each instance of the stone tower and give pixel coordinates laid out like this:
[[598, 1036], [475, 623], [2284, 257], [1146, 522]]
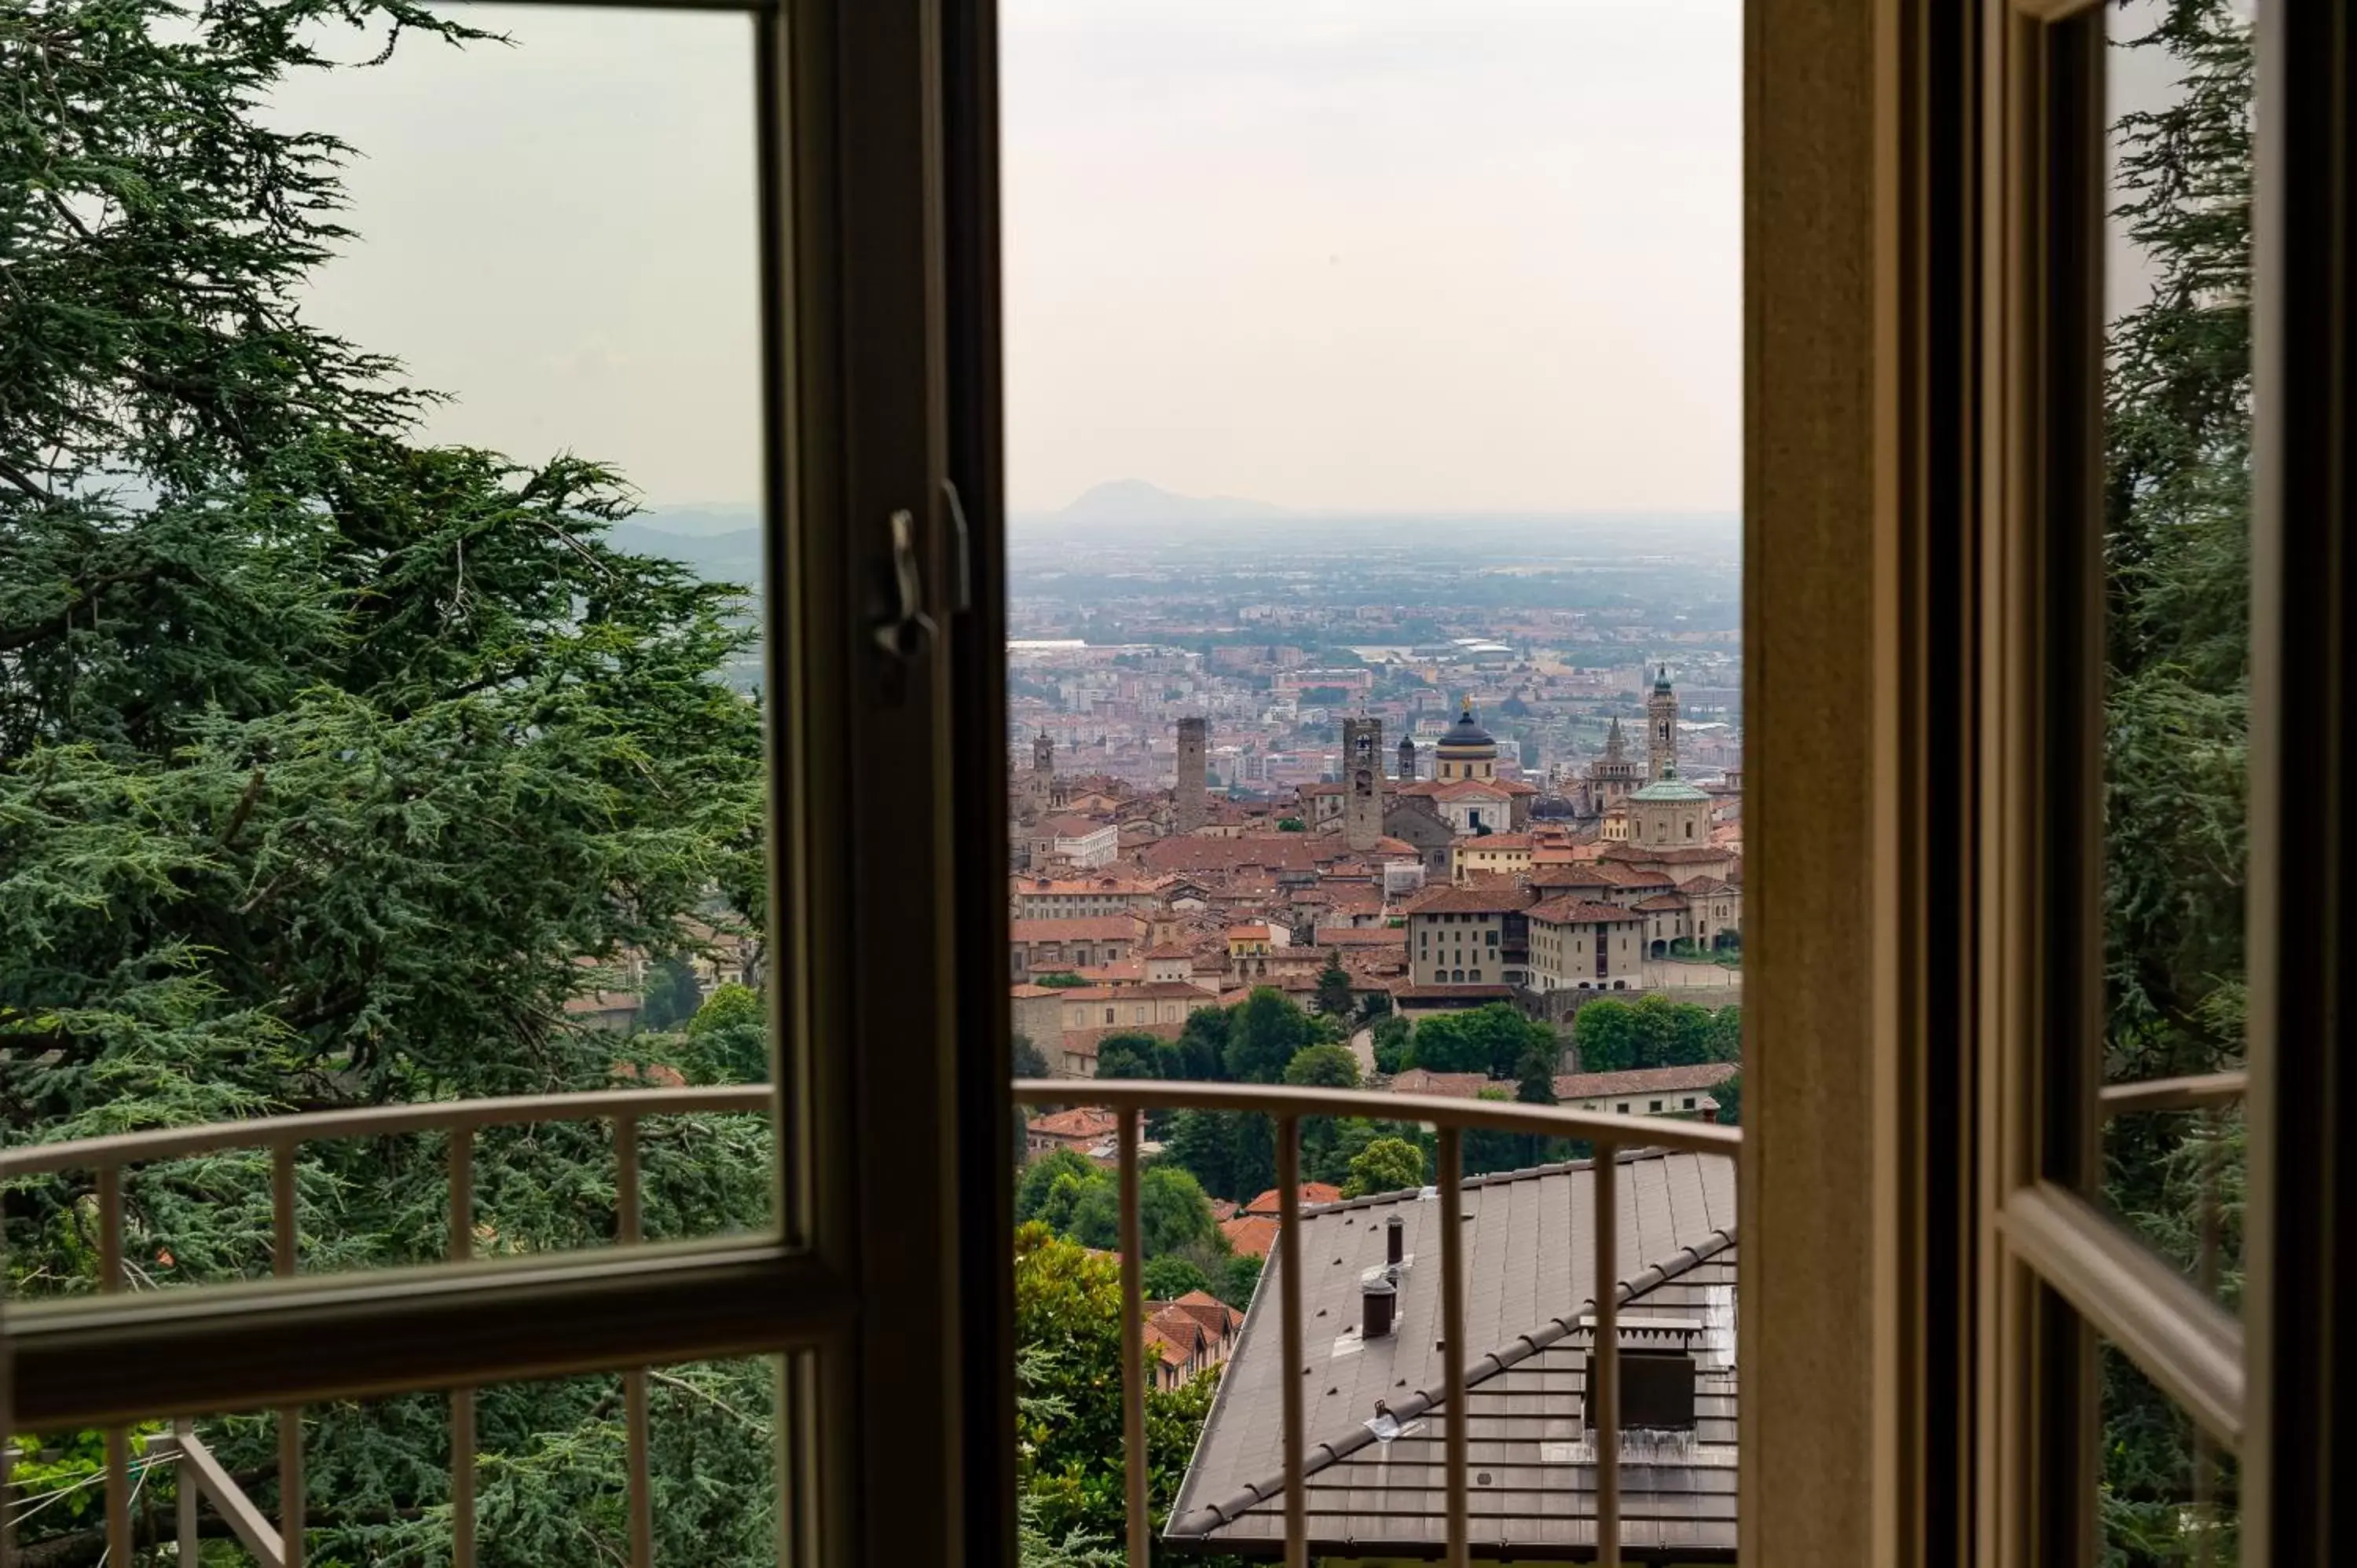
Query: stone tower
[[1662, 729], [1407, 759], [1188, 807], [1043, 770], [1363, 782]]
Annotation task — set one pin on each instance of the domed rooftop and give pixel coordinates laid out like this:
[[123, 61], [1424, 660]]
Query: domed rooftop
[[1467, 736], [1670, 788], [1662, 680]]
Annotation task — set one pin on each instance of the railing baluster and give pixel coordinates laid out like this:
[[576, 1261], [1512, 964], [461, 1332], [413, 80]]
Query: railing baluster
[[2205, 1457], [462, 1400], [7, 1520], [1450, 1150], [118, 1439], [1133, 1351], [284, 1243], [184, 1491], [1607, 1440], [1288, 1278], [634, 1381]]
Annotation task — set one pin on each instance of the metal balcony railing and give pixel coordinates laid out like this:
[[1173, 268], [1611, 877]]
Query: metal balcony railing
[[2210, 1094], [202, 1482], [1608, 1134], [197, 1476]]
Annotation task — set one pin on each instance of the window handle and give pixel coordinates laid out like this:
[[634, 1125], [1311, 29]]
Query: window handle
[[962, 547], [907, 636]]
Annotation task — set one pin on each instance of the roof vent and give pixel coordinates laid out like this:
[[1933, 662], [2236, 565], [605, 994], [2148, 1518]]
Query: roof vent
[[1378, 1302], [1395, 1240]]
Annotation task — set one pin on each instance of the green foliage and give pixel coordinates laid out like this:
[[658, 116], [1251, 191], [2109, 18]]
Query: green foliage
[[1075, 1198], [1241, 1276], [1136, 1054], [2177, 681], [673, 995], [1266, 1031], [1068, 1318], [1041, 1177], [1387, 1164], [1029, 1060], [1059, 980], [1335, 996], [332, 764], [1730, 1095], [1234, 1156], [1612, 1036], [1390, 1044], [1169, 1277], [1323, 1067], [1493, 1039], [728, 1039], [1291, 825]]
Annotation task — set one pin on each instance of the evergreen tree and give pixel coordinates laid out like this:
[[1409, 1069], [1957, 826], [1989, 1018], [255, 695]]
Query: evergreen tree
[[2177, 522], [1335, 998]]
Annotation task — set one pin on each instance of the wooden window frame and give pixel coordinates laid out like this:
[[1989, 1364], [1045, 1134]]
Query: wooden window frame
[[875, 146], [1921, 350]]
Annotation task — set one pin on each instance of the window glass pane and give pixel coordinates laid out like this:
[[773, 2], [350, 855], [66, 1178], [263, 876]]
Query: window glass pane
[[379, 664], [2177, 499], [1375, 674], [550, 1468], [2171, 1499]]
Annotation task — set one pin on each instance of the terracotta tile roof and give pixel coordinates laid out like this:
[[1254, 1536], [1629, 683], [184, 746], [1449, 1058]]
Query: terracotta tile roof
[[1312, 1192], [1088, 928], [1660, 904], [1361, 936], [1702, 886], [1664, 855], [1250, 1235], [1489, 899], [1568, 911], [1069, 827], [1454, 1085], [1452, 992], [1498, 840], [1081, 1124], [1250, 933], [1290, 851], [1643, 1080], [1143, 992]]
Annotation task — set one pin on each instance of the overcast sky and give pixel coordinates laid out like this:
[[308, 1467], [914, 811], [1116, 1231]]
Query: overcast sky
[[1348, 254]]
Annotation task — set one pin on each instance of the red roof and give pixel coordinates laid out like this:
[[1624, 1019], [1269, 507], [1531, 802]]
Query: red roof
[[1089, 929], [1250, 1235], [1579, 912], [1312, 1192], [1498, 899], [1645, 1081], [1454, 1085], [1083, 1122]]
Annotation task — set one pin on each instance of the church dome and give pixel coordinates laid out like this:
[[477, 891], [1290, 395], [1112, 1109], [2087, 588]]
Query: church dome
[[1676, 789], [1467, 740]]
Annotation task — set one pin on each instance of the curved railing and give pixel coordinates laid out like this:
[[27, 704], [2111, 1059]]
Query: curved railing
[[197, 1473], [1606, 1133], [108, 1157], [200, 1476]]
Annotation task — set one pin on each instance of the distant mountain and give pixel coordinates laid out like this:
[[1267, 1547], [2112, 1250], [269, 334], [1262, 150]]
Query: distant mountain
[[729, 557], [1136, 501], [700, 522]]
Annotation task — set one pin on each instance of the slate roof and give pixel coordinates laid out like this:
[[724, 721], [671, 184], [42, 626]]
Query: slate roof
[[1643, 1080], [1530, 1280]]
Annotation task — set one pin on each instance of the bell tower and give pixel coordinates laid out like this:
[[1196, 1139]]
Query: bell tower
[[1363, 782], [1662, 729]]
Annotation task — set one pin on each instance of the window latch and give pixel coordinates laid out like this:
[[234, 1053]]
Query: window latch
[[908, 635]]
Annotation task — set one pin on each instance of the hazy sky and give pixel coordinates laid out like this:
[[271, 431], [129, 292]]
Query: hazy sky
[[1331, 254]]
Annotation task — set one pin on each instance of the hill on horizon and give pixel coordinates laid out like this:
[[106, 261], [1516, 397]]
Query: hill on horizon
[[1137, 500]]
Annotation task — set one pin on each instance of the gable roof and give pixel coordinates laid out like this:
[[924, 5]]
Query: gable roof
[[1530, 1280], [1643, 1080], [1580, 912], [1312, 1192]]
